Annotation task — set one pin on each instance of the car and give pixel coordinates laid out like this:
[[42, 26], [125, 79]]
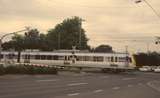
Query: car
[[153, 67], [145, 68], [157, 69]]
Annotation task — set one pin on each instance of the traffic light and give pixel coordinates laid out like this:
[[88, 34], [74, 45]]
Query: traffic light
[[138, 1]]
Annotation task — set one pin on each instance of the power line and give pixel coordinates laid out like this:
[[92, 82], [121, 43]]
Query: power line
[[149, 5], [87, 6], [152, 8]]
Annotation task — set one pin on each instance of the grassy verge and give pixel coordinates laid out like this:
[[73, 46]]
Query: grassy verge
[[27, 69]]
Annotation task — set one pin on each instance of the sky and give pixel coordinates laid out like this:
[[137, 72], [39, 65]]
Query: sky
[[118, 23]]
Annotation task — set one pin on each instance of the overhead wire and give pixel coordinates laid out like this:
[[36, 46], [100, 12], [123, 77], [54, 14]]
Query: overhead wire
[[154, 11], [89, 6], [86, 6], [152, 8]]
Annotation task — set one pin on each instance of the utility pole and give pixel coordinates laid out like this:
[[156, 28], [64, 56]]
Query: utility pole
[[127, 58]]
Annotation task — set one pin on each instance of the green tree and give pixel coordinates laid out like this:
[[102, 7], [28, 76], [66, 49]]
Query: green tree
[[16, 43], [147, 59], [63, 36], [31, 40], [68, 34]]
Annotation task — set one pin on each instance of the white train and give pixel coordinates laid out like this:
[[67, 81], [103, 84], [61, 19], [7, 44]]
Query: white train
[[105, 61]]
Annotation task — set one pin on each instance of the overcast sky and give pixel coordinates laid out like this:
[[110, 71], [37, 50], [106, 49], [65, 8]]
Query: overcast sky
[[112, 22]]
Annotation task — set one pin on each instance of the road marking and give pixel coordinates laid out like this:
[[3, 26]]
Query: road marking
[[52, 80], [73, 94], [76, 84], [151, 84], [98, 91], [80, 74], [105, 77], [128, 79], [116, 88], [130, 86]]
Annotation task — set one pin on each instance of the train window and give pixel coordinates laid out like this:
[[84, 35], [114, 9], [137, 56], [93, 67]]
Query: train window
[[61, 58], [49, 57], [127, 58], [10, 56], [26, 56], [91, 58], [121, 59], [80, 58], [77, 59], [43, 57], [37, 57], [1, 56], [55, 57], [32, 56], [94, 58], [112, 60], [116, 59], [86, 58], [107, 58], [98, 58], [65, 58], [15, 56], [22, 56]]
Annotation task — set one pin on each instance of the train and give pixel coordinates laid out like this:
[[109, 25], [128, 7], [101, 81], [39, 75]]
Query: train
[[105, 61]]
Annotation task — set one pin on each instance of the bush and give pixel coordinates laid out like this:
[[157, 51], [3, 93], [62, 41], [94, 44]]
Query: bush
[[11, 70], [27, 69], [2, 70]]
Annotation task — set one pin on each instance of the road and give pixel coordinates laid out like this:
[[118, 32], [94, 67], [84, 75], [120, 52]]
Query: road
[[81, 85]]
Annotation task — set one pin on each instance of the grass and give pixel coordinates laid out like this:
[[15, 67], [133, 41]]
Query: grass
[[27, 69]]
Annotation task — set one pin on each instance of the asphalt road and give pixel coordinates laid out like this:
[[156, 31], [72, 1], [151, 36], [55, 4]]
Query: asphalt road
[[81, 85]]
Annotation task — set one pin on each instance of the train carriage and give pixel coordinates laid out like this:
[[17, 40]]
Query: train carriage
[[72, 59]]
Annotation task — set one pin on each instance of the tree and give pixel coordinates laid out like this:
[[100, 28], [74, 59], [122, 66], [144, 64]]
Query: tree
[[31, 40], [16, 43], [103, 49], [147, 59], [62, 36], [141, 59], [68, 34], [44, 45]]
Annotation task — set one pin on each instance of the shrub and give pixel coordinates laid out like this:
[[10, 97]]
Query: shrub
[[2, 70], [27, 69], [11, 70]]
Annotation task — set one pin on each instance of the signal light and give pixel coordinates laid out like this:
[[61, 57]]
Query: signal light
[[138, 1]]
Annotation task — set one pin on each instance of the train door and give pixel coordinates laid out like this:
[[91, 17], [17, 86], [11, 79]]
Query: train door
[[67, 60], [70, 59], [73, 59], [27, 58]]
